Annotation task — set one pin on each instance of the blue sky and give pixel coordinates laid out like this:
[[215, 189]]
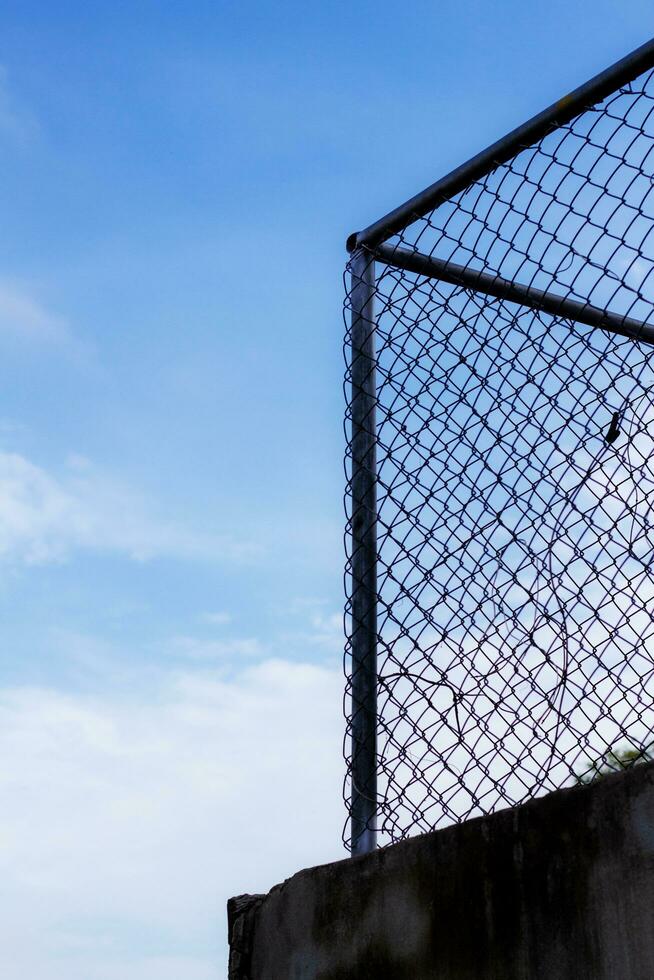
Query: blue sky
[[176, 185]]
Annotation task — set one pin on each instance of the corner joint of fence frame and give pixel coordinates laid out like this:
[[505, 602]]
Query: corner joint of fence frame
[[352, 242]]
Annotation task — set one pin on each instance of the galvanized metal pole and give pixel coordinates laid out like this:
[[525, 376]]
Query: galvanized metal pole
[[558, 114], [364, 557], [530, 296]]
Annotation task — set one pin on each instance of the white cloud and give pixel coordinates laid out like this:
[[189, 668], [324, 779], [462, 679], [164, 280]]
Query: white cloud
[[217, 618], [44, 517], [23, 317], [317, 631], [324, 632], [199, 648], [16, 122], [126, 825]]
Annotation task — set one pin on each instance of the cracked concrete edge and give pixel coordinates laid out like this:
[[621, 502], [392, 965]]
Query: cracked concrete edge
[[240, 920]]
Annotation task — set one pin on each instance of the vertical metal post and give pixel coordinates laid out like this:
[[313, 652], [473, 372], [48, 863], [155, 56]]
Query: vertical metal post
[[364, 557]]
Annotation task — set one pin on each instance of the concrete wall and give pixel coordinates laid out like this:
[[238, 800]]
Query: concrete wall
[[560, 888]]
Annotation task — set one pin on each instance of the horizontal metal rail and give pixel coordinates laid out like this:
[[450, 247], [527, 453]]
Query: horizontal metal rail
[[514, 292], [531, 132]]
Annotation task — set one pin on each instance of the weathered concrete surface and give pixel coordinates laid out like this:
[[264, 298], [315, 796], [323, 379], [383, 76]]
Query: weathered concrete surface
[[560, 888]]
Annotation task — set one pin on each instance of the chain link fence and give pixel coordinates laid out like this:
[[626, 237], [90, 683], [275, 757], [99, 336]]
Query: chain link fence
[[500, 468]]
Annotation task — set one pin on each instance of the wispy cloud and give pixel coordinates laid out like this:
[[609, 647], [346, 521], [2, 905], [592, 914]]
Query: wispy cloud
[[127, 823], [23, 318], [220, 618], [16, 121], [231, 648], [316, 626], [44, 517], [312, 631]]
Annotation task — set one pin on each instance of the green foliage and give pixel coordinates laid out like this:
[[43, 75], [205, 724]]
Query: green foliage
[[615, 760]]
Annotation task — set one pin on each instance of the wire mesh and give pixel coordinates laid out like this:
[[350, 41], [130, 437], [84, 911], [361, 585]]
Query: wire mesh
[[514, 477]]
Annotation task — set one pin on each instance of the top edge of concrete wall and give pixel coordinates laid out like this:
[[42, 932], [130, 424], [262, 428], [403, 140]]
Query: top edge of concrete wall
[[561, 887]]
